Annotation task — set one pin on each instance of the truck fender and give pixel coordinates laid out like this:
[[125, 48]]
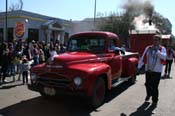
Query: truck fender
[[105, 70], [132, 65]]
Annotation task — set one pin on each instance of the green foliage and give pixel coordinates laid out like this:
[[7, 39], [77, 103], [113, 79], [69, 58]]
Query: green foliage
[[117, 23], [162, 23], [121, 23]]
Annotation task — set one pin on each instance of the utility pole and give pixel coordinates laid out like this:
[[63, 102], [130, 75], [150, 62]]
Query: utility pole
[[95, 14], [6, 28]]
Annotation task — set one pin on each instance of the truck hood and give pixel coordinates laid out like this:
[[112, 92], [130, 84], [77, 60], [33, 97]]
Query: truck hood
[[73, 56]]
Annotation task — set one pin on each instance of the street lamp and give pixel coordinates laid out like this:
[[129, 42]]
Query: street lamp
[[6, 29], [94, 13]]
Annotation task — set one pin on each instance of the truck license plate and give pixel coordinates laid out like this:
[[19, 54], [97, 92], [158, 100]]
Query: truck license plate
[[49, 91]]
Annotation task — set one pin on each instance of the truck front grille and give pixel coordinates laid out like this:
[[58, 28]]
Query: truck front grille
[[53, 80]]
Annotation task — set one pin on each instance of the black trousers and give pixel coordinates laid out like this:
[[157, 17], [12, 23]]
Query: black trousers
[[4, 71], [152, 83], [168, 66], [25, 76]]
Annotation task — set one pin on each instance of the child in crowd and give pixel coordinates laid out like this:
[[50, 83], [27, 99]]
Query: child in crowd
[[25, 67]]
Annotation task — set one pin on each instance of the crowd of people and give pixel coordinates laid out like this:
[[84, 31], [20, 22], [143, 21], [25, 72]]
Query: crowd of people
[[18, 56]]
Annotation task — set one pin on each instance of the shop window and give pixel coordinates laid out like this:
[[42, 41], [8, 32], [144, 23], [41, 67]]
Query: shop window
[[10, 34], [66, 37], [33, 34]]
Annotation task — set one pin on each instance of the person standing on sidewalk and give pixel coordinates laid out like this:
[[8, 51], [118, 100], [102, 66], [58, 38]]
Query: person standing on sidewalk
[[5, 61], [25, 67], [1, 50], [169, 61], [153, 57]]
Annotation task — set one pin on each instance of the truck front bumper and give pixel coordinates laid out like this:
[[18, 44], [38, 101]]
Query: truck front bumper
[[57, 91]]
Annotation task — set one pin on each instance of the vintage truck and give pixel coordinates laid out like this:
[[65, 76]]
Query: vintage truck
[[92, 64]]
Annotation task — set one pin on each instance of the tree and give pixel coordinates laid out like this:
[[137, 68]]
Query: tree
[[119, 23], [17, 6], [122, 23], [162, 23]]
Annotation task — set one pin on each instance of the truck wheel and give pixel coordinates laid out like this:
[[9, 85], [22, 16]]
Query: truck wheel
[[45, 96], [98, 93]]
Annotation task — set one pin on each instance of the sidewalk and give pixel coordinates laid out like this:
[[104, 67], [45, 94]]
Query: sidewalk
[[10, 82]]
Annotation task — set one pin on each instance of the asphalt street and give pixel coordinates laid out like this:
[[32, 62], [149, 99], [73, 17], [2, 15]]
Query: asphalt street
[[125, 100]]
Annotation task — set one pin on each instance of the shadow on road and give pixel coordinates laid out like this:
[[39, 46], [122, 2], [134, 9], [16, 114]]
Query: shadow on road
[[144, 110], [58, 106], [164, 77], [61, 106], [117, 91], [10, 86]]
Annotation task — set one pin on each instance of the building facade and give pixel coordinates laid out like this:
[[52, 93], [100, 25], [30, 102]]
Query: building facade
[[84, 25], [31, 26]]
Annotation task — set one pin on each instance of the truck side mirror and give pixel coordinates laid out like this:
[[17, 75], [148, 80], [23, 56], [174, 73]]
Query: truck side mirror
[[117, 50]]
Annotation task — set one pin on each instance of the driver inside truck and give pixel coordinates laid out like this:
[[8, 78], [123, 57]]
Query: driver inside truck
[[112, 44], [84, 45]]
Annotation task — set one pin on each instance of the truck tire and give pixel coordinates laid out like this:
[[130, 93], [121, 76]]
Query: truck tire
[[98, 93], [45, 96]]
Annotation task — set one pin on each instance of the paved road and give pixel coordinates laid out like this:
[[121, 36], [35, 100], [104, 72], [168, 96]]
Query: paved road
[[125, 100]]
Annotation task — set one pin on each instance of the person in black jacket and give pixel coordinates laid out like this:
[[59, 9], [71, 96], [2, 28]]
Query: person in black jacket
[[5, 61], [0, 61]]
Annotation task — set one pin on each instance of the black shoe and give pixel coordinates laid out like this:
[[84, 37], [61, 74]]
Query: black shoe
[[154, 104], [168, 76], [147, 98]]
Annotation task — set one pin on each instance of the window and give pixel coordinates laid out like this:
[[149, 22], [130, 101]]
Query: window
[[112, 44], [92, 44], [33, 34], [10, 34]]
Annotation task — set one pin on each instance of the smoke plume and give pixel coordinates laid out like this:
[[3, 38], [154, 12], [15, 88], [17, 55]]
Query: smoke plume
[[142, 10]]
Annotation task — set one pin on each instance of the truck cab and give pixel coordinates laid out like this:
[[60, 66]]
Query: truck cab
[[93, 64]]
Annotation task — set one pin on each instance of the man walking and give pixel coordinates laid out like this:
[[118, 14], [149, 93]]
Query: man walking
[[154, 58], [169, 61]]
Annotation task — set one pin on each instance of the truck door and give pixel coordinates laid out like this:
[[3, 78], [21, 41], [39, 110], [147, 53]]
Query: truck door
[[116, 60]]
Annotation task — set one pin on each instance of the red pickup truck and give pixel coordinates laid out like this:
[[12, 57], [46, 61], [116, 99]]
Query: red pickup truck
[[92, 64]]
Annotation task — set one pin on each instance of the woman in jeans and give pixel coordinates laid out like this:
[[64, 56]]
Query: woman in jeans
[[35, 55]]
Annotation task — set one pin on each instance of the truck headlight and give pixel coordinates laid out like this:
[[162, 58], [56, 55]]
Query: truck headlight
[[77, 81]]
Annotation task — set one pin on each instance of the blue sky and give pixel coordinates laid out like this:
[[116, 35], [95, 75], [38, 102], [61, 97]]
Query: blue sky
[[81, 9]]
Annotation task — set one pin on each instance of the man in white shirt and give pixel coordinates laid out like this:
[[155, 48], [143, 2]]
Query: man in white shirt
[[154, 58]]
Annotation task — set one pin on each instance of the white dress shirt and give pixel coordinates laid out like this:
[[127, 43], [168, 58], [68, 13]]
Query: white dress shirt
[[153, 59]]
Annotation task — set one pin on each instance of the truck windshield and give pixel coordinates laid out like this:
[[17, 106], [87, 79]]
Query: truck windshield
[[92, 44]]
